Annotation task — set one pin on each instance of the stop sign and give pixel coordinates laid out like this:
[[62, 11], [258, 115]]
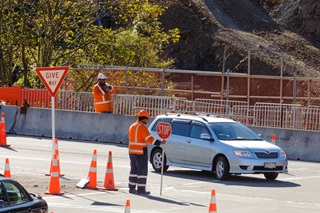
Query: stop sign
[[164, 130]]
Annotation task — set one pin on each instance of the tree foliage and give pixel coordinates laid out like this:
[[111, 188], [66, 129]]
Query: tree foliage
[[46, 33]]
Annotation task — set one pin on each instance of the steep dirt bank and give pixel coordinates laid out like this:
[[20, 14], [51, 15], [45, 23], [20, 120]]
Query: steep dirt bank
[[268, 29]]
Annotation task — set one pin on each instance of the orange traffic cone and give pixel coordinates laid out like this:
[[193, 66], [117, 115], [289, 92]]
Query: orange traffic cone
[[213, 205], [7, 169], [273, 138], [92, 175], [108, 179], [3, 136], [56, 151], [127, 209], [54, 187]]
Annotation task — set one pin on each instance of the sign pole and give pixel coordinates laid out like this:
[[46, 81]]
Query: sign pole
[[162, 168], [164, 132], [53, 125]]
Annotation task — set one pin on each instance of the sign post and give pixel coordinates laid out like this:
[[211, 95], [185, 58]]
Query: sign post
[[164, 131], [52, 77]]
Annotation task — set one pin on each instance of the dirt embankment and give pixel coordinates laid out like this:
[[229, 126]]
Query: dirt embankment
[[268, 29]]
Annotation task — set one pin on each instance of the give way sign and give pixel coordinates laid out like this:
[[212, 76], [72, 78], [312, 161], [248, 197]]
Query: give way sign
[[52, 77], [164, 130]]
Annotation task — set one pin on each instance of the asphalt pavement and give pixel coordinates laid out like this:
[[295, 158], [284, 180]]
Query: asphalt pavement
[[182, 190]]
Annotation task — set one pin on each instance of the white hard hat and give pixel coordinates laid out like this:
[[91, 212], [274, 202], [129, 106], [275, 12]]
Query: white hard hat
[[101, 76]]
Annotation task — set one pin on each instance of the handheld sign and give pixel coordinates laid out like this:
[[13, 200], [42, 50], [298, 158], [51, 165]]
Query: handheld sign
[[164, 131]]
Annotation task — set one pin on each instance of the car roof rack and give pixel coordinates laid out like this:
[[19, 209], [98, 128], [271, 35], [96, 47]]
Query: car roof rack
[[172, 113]]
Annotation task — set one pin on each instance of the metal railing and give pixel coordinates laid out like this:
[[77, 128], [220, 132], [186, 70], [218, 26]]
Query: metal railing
[[291, 116], [194, 84]]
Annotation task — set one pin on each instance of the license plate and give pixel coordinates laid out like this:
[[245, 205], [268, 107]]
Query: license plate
[[270, 165]]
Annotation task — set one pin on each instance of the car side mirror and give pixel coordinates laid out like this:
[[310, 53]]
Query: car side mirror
[[35, 195], [1, 203], [206, 136]]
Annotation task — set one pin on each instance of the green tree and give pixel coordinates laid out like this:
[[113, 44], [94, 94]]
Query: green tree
[[52, 33], [9, 39], [137, 41]]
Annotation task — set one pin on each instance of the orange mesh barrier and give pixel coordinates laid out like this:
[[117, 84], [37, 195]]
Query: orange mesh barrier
[[11, 95]]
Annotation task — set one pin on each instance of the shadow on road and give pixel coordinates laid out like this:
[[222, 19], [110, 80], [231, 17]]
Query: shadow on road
[[243, 180], [165, 200], [8, 147]]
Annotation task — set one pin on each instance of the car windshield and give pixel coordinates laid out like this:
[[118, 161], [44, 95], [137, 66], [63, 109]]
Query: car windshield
[[233, 131]]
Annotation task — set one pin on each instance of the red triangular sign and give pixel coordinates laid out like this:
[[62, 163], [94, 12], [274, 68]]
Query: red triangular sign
[[52, 77]]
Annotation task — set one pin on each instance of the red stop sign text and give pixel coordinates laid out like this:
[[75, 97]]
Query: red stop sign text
[[164, 130]]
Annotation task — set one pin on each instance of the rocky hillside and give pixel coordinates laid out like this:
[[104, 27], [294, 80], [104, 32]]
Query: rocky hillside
[[269, 29]]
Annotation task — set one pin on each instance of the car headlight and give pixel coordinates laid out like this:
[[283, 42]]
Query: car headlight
[[282, 154], [243, 153]]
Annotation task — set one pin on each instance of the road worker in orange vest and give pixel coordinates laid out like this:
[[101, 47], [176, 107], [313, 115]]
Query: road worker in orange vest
[[102, 95], [139, 137]]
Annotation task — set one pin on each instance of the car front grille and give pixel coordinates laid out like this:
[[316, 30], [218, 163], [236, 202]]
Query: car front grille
[[266, 155], [262, 168]]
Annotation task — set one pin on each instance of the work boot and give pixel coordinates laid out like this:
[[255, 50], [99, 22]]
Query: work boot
[[144, 193], [133, 191]]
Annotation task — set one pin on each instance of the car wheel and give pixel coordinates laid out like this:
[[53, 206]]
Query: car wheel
[[156, 160], [222, 168], [271, 175]]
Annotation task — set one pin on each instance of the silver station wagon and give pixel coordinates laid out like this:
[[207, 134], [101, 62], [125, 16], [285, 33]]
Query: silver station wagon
[[219, 145]]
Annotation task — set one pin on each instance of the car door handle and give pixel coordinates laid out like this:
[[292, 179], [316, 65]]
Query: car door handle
[[189, 141]]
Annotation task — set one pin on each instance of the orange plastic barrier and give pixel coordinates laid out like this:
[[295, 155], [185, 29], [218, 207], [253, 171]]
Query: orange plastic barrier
[[40, 98], [14, 95], [11, 95]]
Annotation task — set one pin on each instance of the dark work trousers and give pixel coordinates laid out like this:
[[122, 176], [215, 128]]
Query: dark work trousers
[[139, 171]]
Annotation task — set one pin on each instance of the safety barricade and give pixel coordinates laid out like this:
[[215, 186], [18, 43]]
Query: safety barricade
[[132, 104], [312, 118], [291, 116], [277, 115], [11, 95], [78, 101], [39, 98]]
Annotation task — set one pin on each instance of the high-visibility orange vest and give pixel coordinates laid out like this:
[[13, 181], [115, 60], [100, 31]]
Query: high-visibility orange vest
[[139, 137], [103, 100]]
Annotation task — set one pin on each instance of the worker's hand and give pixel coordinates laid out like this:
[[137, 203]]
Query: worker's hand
[[163, 141]]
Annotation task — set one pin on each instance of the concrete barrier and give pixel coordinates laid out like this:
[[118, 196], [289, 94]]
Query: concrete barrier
[[74, 125], [10, 113], [298, 145], [110, 128]]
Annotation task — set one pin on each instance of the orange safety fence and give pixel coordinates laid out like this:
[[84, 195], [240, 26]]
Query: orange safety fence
[[14, 95], [11, 95], [40, 98]]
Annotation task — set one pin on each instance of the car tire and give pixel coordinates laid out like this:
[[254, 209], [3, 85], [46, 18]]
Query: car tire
[[271, 175], [156, 160], [222, 168]]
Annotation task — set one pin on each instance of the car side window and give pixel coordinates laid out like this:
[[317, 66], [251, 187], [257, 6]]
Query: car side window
[[180, 128], [197, 130], [15, 193], [3, 195]]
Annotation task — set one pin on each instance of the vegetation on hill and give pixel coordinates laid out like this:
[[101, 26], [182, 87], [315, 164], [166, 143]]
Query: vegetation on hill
[[54, 33]]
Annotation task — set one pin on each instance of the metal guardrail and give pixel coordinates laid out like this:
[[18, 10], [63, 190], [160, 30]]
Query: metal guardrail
[[291, 116]]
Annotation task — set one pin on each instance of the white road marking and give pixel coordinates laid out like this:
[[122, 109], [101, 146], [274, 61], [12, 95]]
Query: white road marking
[[62, 161]]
